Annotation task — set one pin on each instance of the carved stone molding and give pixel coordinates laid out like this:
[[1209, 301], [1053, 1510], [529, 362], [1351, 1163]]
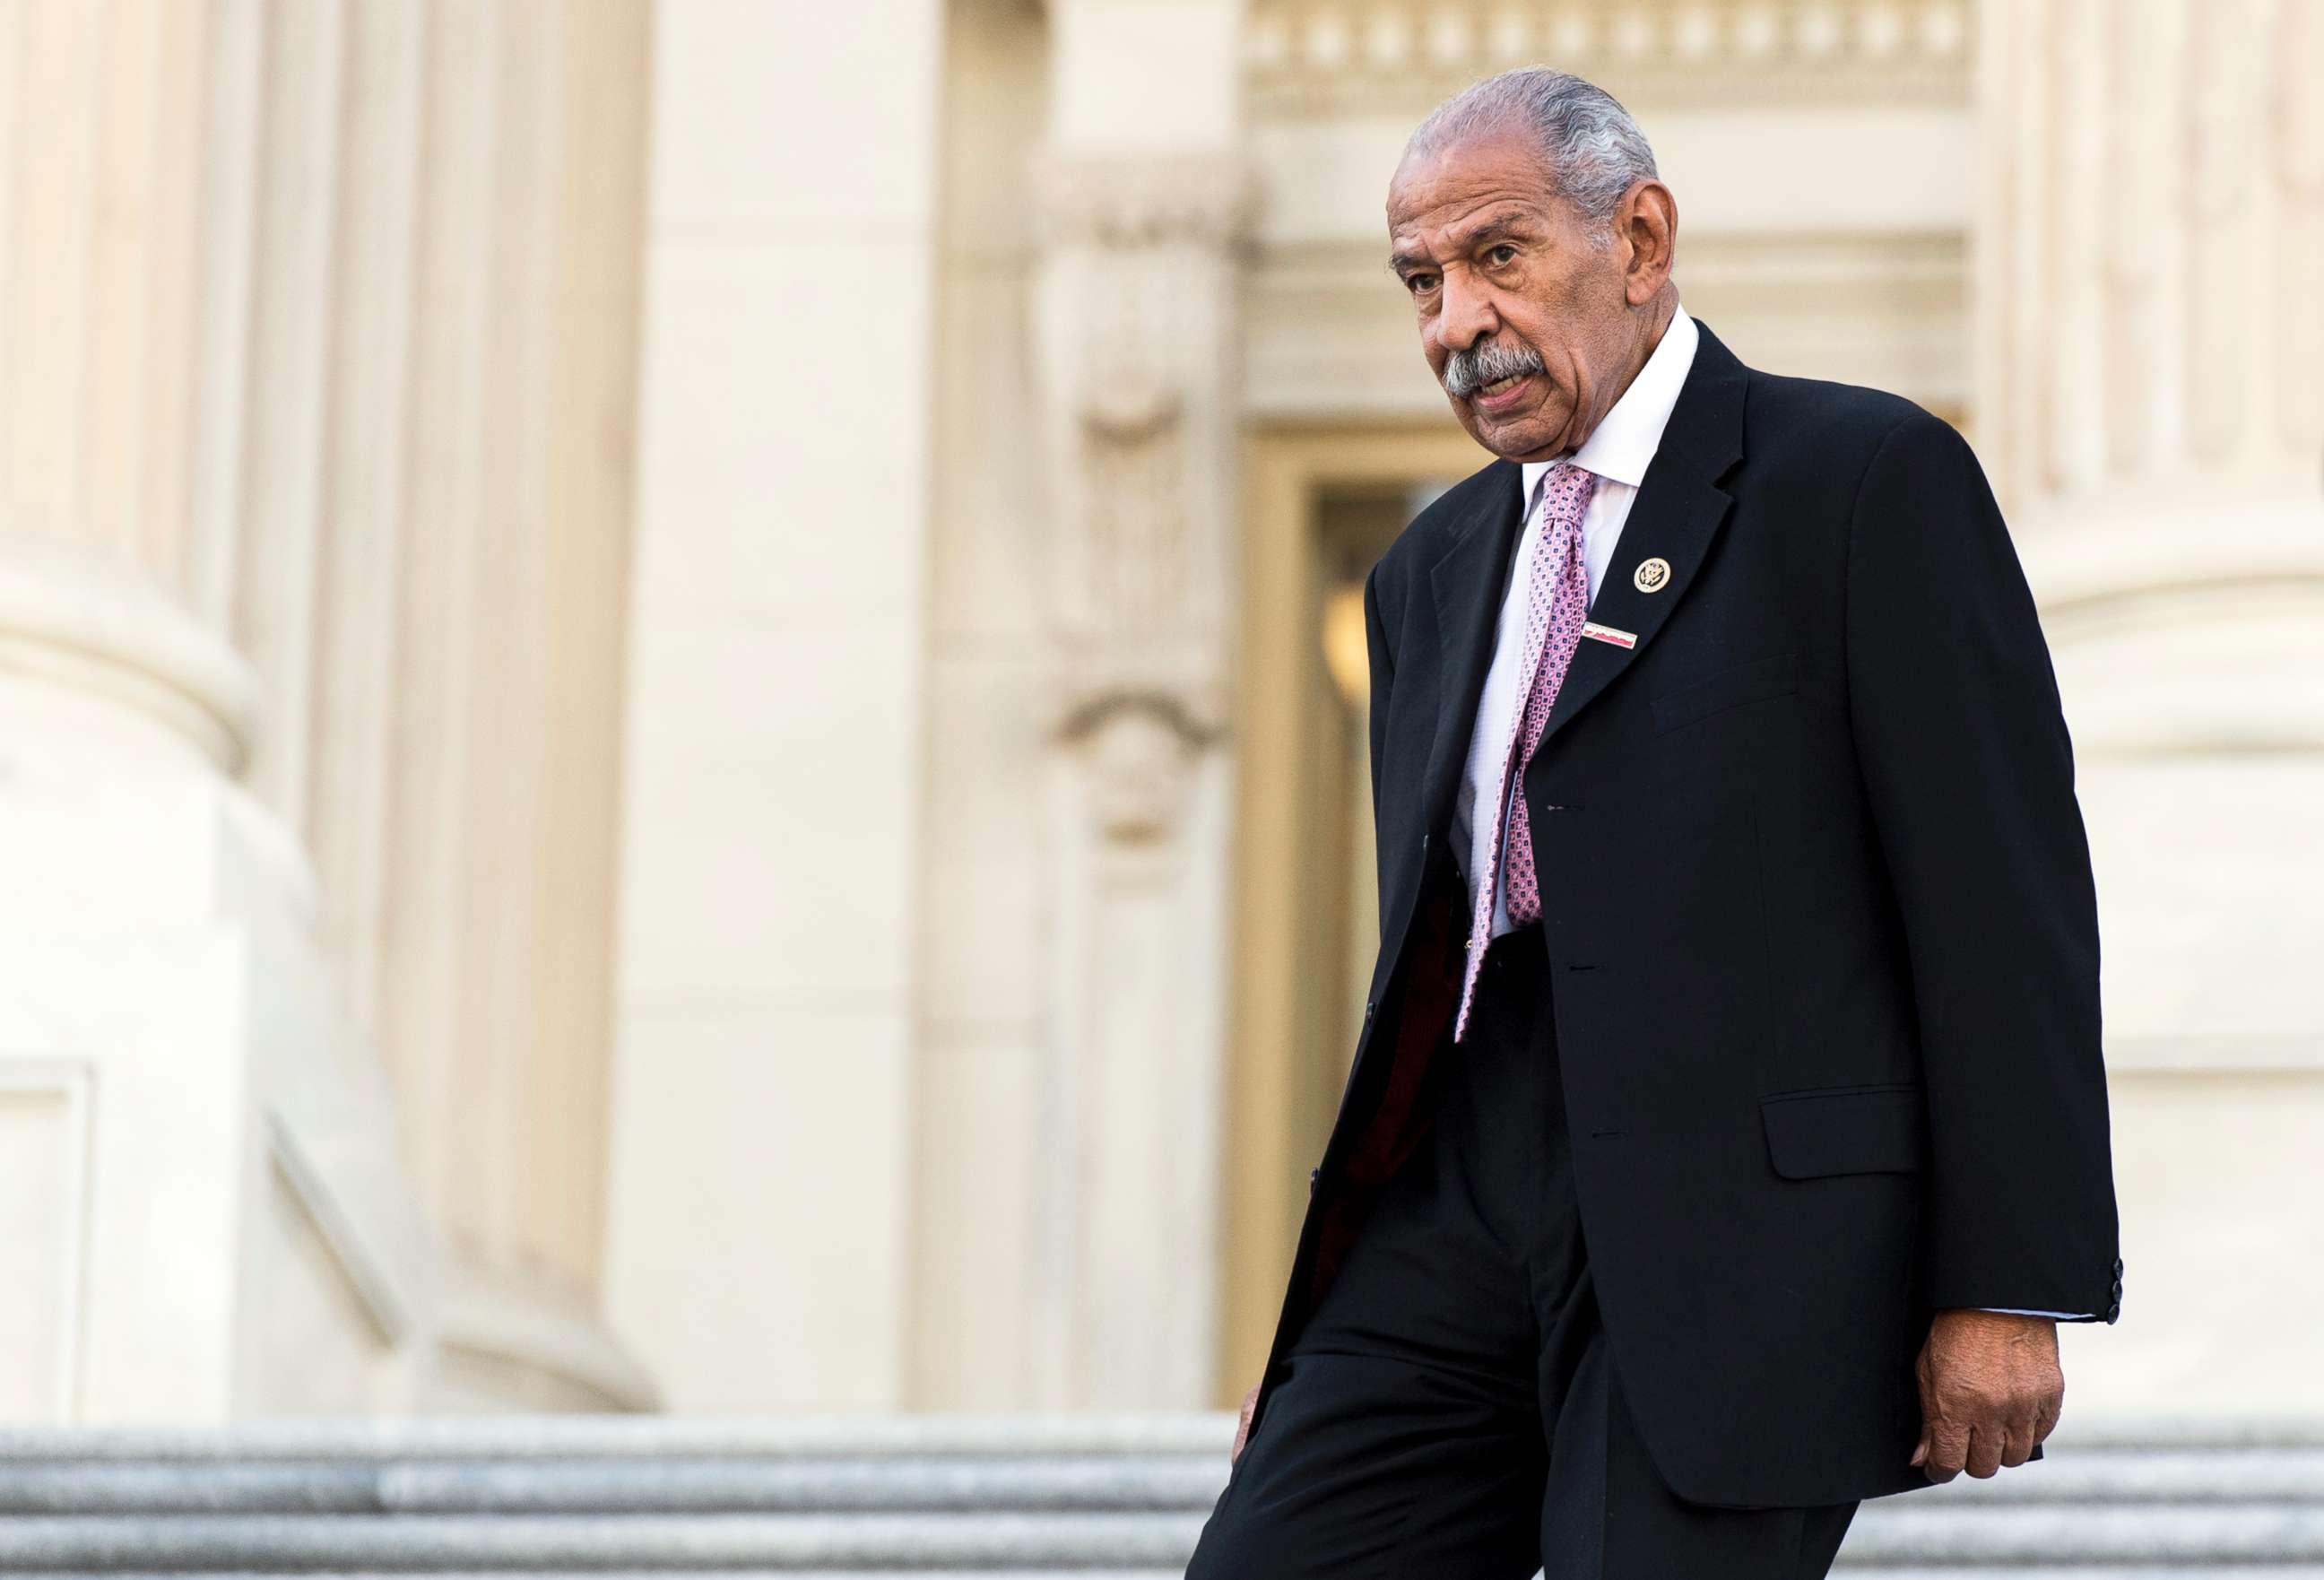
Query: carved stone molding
[[1140, 345], [1305, 59], [1146, 201], [1140, 745], [102, 633]]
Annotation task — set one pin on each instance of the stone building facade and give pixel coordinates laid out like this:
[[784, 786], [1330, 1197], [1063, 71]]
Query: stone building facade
[[679, 687]]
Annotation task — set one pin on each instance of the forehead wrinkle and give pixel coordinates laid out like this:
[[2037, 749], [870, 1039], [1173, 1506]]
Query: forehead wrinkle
[[1509, 221], [1509, 213]]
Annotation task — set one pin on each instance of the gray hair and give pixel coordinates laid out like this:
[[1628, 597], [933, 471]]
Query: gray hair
[[1595, 152]]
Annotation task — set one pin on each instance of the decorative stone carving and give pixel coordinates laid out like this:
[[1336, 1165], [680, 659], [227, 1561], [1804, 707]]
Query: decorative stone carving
[[1139, 748], [1134, 339], [1191, 199], [1141, 370], [1305, 60]]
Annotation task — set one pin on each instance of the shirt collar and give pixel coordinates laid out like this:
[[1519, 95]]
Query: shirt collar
[[1624, 443]]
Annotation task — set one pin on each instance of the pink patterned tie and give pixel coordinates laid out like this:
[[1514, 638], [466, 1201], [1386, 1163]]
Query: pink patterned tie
[[1557, 602]]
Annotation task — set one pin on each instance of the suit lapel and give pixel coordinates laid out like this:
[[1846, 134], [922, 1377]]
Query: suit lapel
[[1675, 518], [1469, 581]]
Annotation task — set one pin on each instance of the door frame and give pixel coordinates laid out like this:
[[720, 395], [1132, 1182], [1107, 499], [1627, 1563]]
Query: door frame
[[1286, 469]]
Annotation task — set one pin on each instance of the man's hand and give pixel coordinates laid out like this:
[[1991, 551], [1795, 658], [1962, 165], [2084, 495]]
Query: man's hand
[[1990, 1389], [1243, 1427]]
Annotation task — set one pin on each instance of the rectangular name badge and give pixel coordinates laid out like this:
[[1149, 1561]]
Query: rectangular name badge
[[1597, 633]]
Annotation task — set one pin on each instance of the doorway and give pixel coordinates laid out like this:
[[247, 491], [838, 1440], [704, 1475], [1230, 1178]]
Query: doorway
[[1322, 505]]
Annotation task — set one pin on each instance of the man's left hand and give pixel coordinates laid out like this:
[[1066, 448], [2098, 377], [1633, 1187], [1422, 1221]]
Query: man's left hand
[[1990, 1389]]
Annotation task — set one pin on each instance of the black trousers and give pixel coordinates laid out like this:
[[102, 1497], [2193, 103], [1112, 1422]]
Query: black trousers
[[1451, 1410]]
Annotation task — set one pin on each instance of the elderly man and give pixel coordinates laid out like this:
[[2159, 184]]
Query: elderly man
[[1728, 1132]]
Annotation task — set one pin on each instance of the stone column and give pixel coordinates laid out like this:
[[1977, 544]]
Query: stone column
[[2145, 311], [316, 330], [476, 892], [116, 514], [184, 1122], [2148, 337]]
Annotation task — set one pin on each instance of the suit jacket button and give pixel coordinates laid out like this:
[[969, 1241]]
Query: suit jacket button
[[2114, 1312], [2118, 1267], [1313, 1175]]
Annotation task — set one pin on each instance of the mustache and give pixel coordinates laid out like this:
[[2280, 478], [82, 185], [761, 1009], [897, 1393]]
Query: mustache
[[1467, 371]]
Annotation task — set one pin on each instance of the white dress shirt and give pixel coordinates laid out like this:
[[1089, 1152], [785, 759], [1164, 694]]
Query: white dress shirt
[[1618, 450]]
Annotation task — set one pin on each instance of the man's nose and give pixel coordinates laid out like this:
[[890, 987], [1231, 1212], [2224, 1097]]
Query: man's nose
[[1466, 318]]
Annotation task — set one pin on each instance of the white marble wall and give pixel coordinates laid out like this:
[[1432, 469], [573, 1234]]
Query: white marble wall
[[773, 863], [981, 1059]]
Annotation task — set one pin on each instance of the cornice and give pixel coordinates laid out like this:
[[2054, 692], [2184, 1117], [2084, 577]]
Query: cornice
[[1305, 60]]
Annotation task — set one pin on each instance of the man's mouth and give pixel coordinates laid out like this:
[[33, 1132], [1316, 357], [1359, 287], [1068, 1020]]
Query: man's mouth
[[1466, 373], [1500, 395]]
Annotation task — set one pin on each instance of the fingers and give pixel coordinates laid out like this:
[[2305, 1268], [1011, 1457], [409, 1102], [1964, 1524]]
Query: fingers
[[1948, 1443], [2045, 1420], [2017, 1446], [1924, 1374], [2025, 1429], [1981, 1443], [1988, 1444]]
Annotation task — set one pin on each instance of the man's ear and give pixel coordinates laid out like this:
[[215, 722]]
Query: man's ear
[[1648, 219]]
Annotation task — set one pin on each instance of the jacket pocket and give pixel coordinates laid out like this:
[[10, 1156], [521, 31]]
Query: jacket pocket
[[1846, 1130], [1755, 680]]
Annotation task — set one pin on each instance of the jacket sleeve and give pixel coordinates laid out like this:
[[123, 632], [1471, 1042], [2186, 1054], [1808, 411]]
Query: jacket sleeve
[[1970, 779]]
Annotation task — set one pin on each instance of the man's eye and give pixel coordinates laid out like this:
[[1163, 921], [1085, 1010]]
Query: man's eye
[[1501, 255], [1420, 285]]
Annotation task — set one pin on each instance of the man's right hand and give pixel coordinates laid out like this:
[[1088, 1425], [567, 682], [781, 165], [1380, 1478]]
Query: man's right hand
[[1243, 1427]]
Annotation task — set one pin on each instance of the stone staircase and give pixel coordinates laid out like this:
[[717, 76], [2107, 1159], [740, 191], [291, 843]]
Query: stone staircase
[[1119, 1497]]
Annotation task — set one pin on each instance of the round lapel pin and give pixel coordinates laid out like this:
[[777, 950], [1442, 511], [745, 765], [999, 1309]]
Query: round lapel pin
[[1652, 574]]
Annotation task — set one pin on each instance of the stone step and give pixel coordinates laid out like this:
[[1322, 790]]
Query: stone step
[[972, 1543], [1176, 1572], [1119, 1497], [1192, 1433], [2198, 1571], [1966, 1538], [933, 1483], [2078, 1572], [1126, 1484]]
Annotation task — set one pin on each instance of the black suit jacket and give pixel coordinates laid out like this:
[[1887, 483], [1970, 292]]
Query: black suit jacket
[[1819, 912]]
